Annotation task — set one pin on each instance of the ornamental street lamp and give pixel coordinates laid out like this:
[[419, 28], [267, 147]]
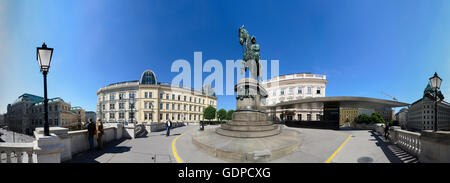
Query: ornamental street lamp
[[44, 57], [435, 84]]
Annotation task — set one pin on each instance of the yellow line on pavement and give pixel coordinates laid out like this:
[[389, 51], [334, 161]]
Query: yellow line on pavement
[[334, 154], [175, 151]]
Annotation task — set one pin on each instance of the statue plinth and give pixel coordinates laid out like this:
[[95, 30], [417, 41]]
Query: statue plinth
[[249, 120], [250, 136]]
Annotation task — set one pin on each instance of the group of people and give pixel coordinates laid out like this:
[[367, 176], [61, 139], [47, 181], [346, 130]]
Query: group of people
[[93, 130]]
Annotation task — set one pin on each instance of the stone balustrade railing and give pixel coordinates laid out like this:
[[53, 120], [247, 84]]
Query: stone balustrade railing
[[427, 146], [16, 152], [60, 146], [406, 140]]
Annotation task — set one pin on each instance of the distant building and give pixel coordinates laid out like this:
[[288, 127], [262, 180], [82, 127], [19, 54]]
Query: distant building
[[2, 120], [27, 113], [147, 100], [348, 115], [388, 114], [292, 87], [92, 115], [421, 113], [402, 117]]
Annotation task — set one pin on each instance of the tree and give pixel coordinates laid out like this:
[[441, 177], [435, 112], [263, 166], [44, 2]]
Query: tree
[[222, 114], [230, 114], [209, 113]]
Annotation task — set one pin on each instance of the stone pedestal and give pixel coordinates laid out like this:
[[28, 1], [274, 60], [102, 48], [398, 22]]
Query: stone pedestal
[[435, 147], [250, 136], [49, 149], [249, 120]]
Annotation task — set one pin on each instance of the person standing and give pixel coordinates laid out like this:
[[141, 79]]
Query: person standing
[[386, 130], [100, 132], [168, 124], [91, 132]]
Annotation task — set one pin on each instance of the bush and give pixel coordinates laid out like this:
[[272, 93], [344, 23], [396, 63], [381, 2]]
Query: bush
[[212, 122]]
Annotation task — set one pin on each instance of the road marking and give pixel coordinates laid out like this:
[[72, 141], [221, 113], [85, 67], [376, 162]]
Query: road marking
[[334, 154], [175, 151]]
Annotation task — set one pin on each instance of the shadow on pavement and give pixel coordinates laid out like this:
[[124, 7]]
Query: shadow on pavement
[[90, 156], [392, 157]]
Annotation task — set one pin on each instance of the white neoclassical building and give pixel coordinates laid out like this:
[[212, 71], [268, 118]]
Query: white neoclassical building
[[153, 101], [290, 87]]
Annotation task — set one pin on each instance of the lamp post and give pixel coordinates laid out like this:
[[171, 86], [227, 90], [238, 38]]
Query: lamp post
[[44, 57], [131, 114], [435, 84]]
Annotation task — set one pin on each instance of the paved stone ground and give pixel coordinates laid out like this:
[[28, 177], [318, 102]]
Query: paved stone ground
[[17, 137], [155, 148], [364, 146]]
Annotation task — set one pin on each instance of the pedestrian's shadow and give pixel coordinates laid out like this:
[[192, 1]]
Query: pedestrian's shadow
[[175, 134], [384, 145], [110, 148]]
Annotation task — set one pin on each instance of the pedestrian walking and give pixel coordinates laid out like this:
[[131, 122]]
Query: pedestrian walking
[[386, 130], [91, 132], [100, 133], [168, 124]]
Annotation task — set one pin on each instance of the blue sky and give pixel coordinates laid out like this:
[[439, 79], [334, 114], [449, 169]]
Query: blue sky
[[363, 46]]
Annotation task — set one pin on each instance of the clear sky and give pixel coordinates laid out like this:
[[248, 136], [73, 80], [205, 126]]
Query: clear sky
[[363, 46]]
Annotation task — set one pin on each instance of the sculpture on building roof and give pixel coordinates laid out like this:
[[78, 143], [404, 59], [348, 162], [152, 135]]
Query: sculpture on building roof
[[429, 92]]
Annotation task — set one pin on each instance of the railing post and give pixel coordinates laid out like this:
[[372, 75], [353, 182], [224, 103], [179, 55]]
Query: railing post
[[8, 157]]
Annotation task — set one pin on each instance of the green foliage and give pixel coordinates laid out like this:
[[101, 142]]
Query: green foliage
[[366, 119], [221, 114], [211, 122], [209, 113], [230, 114], [394, 123]]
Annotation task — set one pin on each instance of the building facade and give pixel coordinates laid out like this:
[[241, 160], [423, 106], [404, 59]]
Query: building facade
[[27, 113], [294, 87], [402, 117], [148, 100], [421, 115], [2, 120]]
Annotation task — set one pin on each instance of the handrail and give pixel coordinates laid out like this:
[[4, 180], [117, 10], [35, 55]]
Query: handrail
[[17, 149]]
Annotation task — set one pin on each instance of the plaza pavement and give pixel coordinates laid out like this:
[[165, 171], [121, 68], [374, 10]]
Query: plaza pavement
[[318, 146]]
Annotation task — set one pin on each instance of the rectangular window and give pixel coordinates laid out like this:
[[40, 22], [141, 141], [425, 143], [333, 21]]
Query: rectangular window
[[121, 115], [282, 92], [299, 117], [146, 95], [318, 90], [167, 106], [184, 98], [111, 96], [179, 97], [190, 99], [173, 106], [309, 90], [111, 116], [291, 90], [150, 94], [173, 97], [145, 116], [167, 96], [160, 106], [112, 106], [121, 106], [167, 116], [131, 95], [299, 91], [161, 96], [121, 96], [150, 117]]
